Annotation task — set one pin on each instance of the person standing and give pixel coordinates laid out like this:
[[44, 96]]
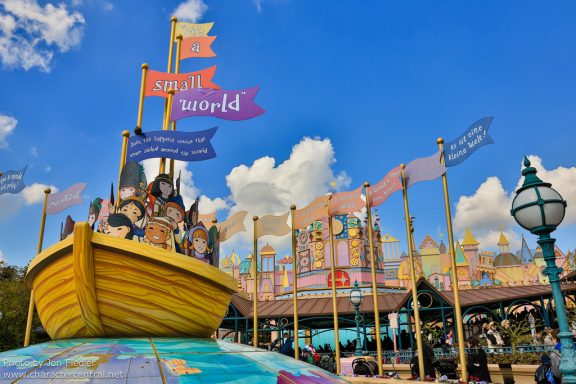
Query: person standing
[[477, 361], [554, 355]]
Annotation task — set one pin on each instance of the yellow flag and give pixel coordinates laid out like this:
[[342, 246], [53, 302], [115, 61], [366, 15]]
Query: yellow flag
[[232, 225], [192, 29], [315, 210], [273, 225]]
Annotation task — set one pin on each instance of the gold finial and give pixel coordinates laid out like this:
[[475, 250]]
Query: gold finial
[[292, 207], [179, 37], [214, 220], [125, 133], [255, 218], [137, 130], [402, 165], [47, 191], [366, 184], [440, 140], [145, 66], [171, 91], [174, 19]]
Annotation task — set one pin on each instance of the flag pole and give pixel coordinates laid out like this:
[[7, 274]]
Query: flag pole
[[167, 105], [166, 125], [453, 275], [138, 129], [38, 250], [255, 272], [374, 289], [176, 70], [334, 304], [125, 137], [409, 232], [294, 283]]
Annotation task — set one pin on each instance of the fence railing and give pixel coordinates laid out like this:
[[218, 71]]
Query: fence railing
[[404, 356]]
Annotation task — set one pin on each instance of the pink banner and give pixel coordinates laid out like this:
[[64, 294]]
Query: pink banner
[[313, 211], [423, 169], [344, 203], [65, 199], [158, 83], [391, 183]]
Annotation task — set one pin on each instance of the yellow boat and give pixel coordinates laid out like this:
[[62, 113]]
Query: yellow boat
[[95, 285]]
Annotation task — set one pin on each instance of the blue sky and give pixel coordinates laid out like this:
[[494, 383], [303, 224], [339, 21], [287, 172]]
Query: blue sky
[[350, 89]]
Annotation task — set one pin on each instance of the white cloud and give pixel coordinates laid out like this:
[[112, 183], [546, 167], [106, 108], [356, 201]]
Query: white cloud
[[7, 125], [264, 188], [191, 10], [30, 33], [488, 209], [11, 204], [2, 260]]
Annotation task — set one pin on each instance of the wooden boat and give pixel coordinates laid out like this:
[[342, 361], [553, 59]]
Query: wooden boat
[[95, 285]]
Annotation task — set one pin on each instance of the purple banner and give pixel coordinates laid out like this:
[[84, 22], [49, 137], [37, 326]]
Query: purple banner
[[224, 104], [178, 145], [62, 200]]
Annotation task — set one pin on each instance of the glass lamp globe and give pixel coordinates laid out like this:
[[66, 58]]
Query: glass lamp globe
[[537, 207], [356, 295]]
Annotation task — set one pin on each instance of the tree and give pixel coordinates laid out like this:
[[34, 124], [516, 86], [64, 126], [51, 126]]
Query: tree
[[14, 299]]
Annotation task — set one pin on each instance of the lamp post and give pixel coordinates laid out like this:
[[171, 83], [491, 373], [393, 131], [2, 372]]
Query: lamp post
[[356, 299], [540, 209]]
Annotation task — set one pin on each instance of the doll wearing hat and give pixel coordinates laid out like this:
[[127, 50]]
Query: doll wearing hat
[[161, 190], [175, 210], [159, 232], [196, 244]]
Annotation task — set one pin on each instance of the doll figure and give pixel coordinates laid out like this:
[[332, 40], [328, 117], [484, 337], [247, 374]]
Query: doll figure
[[94, 212], [174, 209], [159, 232], [134, 208], [196, 244], [118, 225], [132, 180], [161, 190]]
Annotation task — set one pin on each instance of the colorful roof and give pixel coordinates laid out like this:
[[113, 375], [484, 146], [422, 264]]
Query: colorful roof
[[503, 240], [267, 250], [387, 238], [506, 259], [469, 238], [460, 256]]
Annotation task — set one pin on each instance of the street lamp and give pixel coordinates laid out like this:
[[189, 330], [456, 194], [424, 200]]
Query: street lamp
[[540, 209], [356, 299]]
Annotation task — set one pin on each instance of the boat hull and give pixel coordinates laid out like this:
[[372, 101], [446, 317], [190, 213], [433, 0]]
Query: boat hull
[[94, 285]]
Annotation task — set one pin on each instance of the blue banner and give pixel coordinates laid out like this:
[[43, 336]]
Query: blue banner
[[458, 150], [12, 181], [177, 145]]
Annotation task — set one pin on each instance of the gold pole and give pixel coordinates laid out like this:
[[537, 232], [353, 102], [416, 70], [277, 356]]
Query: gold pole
[[453, 275], [176, 70], [255, 273], [38, 250], [167, 102], [409, 230], [374, 289], [138, 129], [166, 126], [173, 21], [125, 137], [334, 304], [294, 283]]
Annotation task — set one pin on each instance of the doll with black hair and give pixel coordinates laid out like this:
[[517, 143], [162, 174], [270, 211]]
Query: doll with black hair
[[161, 191]]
